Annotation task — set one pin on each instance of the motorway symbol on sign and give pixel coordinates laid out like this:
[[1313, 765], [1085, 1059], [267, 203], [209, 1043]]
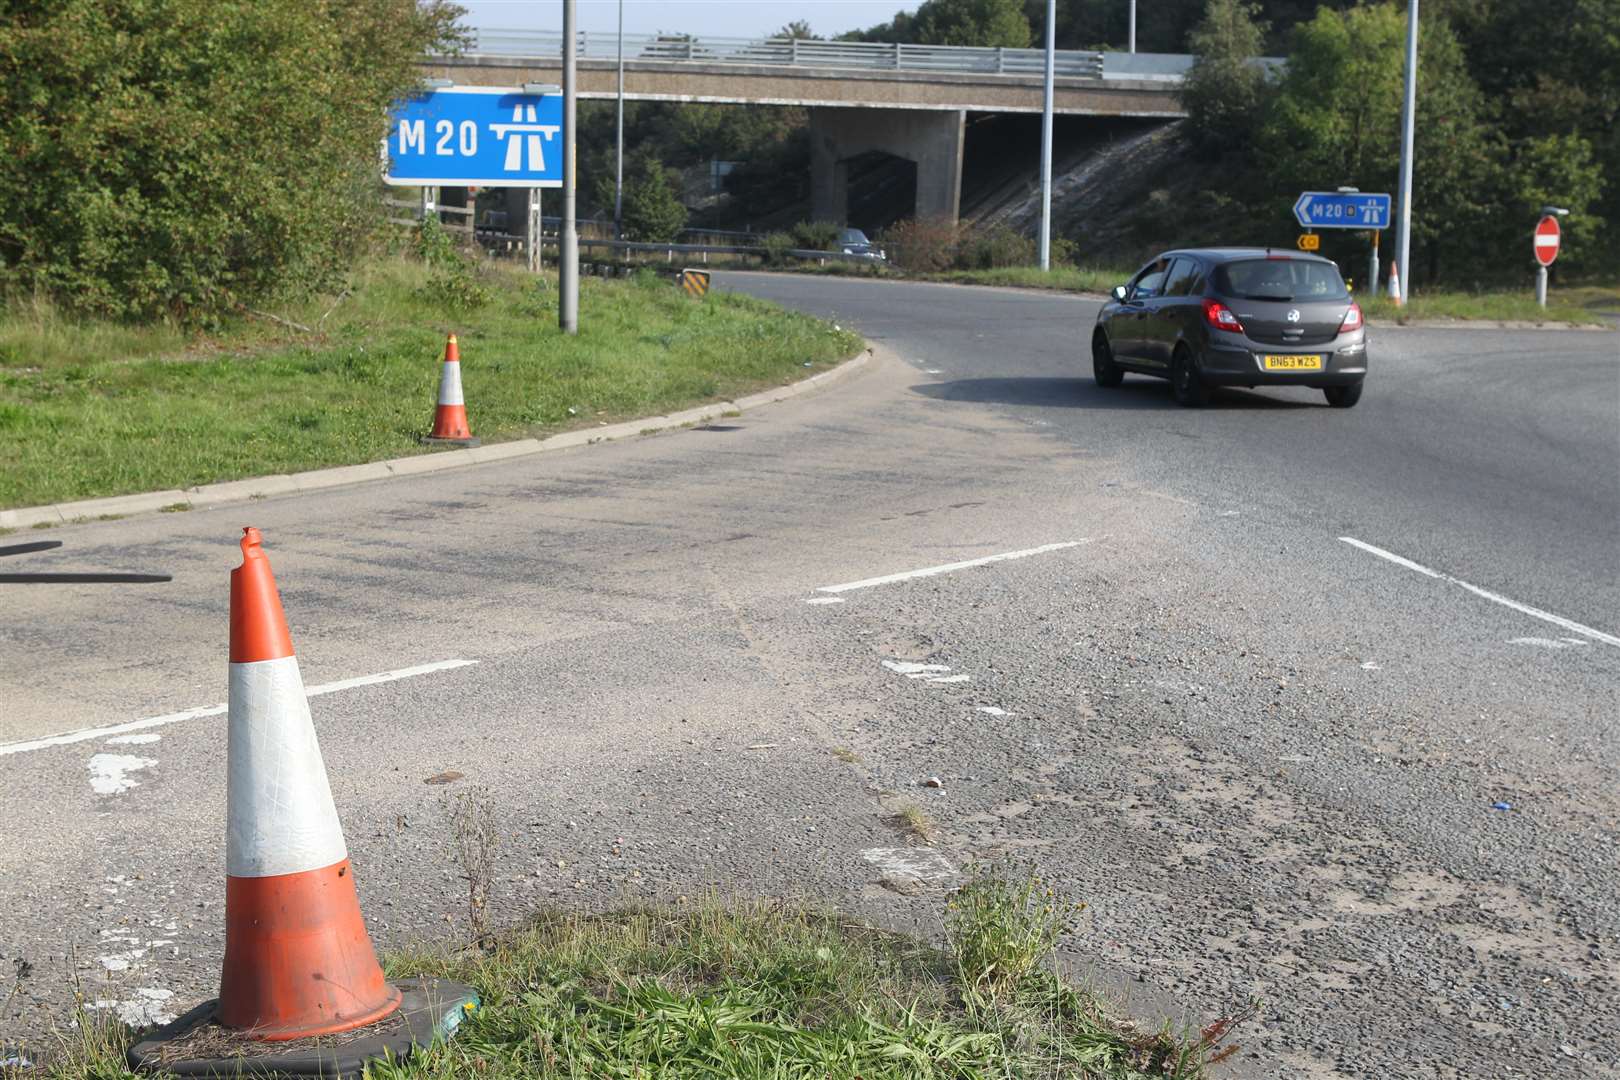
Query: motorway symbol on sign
[[476, 135], [1547, 238], [1308, 242], [1341, 210]]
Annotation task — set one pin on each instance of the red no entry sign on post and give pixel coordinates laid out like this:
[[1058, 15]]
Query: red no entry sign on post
[[1547, 236]]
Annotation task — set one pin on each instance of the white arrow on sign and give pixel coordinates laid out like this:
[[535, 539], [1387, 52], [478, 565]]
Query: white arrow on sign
[[1302, 208]]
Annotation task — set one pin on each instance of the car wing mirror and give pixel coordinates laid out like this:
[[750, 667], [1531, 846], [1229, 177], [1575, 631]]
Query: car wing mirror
[[1119, 292]]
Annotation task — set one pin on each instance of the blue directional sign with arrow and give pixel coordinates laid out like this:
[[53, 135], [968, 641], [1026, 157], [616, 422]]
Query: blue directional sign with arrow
[[1342, 210], [476, 135]]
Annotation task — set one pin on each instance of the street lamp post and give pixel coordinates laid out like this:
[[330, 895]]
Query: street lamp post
[[1046, 138], [1403, 235], [618, 160], [1131, 37], [568, 260]]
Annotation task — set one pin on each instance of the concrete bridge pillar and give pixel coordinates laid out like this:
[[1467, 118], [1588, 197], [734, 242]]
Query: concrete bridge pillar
[[930, 137]]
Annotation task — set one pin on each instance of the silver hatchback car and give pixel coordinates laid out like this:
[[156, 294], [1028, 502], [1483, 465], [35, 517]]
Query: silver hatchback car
[[1207, 317]]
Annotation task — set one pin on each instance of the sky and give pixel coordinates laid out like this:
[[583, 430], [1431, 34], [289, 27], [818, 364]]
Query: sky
[[721, 18]]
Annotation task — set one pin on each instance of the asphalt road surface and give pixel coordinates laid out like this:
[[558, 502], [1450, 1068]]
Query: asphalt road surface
[[1311, 705]]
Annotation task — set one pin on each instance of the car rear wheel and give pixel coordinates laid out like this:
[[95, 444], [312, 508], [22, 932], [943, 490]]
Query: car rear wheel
[[1342, 397], [1186, 384], [1103, 368]]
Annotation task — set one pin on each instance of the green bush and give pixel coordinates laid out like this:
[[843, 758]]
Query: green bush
[[924, 245], [993, 248], [816, 236], [777, 245], [653, 212], [176, 158]]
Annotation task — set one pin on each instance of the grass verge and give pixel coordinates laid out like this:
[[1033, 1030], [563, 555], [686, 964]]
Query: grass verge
[[774, 990], [89, 410], [1492, 307], [1582, 305]]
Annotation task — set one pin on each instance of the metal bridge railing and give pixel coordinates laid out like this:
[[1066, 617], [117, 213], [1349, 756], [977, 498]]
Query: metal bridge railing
[[789, 52]]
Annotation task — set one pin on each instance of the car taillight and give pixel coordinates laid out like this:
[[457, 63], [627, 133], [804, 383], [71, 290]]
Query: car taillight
[[1352, 319], [1220, 317]]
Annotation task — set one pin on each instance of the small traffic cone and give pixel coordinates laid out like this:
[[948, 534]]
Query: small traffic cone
[[298, 961], [1395, 285], [450, 418]]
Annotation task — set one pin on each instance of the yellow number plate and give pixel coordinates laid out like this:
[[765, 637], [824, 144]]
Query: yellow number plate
[[1293, 363]]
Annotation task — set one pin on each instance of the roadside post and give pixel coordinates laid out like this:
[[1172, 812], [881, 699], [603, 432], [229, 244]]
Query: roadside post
[[1547, 239], [1346, 208]]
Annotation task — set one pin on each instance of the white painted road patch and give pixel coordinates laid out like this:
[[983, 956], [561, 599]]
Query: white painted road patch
[[143, 739], [990, 710], [825, 600], [913, 670], [110, 773], [930, 571], [148, 1006], [1495, 598], [934, 673], [86, 734], [924, 864]]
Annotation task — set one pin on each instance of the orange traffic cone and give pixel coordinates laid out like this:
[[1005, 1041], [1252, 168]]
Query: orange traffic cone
[[298, 961], [450, 418], [1395, 285]]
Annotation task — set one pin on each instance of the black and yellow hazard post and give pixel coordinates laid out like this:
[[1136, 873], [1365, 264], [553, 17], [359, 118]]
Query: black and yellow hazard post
[[695, 282]]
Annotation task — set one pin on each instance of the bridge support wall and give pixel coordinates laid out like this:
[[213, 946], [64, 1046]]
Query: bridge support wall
[[931, 138]]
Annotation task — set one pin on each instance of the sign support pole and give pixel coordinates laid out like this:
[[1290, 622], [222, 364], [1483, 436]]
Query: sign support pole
[[531, 235], [1541, 286], [1372, 267], [568, 261], [1046, 139]]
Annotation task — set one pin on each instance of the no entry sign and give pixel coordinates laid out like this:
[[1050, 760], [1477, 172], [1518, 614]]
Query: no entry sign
[[1547, 236]]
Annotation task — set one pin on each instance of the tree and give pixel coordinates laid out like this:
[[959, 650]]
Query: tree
[[1223, 92], [1336, 119], [1557, 170], [653, 212], [955, 22], [797, 30], [180, 157], [972, 22]]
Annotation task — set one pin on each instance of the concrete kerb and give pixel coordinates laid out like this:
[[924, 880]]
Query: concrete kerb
[[262, 487]]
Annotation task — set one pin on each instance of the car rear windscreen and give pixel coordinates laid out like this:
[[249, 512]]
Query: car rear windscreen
[[1292, 280]]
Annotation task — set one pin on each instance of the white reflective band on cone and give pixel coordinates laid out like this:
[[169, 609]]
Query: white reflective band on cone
[[450, 384], [279, 813]]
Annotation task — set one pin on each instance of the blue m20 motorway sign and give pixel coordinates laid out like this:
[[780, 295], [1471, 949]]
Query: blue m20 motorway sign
[[476, 135], [1340, 210]]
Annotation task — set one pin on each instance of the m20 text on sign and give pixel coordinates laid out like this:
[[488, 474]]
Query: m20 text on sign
[[476, 135]]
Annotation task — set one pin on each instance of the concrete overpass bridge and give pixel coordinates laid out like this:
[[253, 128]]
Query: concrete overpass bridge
[[910, 101]]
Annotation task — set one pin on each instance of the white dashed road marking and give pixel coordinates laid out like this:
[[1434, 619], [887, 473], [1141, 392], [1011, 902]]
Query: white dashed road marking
[[216, 710], [930, 571], [1549, 643], [1495, 598]]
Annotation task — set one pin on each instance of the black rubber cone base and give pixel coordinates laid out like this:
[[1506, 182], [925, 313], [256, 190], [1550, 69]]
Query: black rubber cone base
[[194, 1045], [429, 440]]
